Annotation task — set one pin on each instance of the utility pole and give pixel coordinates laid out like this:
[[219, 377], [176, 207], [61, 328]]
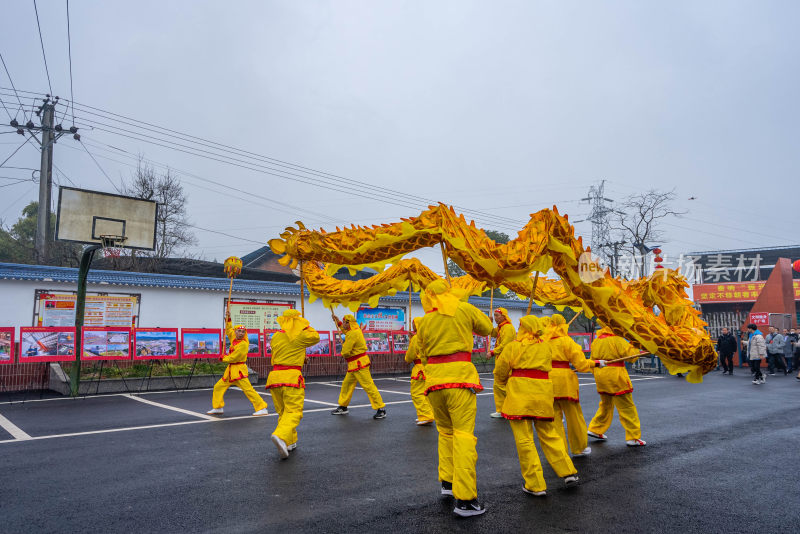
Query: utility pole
[[50, 134], [599, 216], [43, 236]]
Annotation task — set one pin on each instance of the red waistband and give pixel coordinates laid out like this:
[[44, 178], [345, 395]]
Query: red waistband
[[531, 373], [354, 358], [615, 364], [287, 367], [417, 362], [560, 365], [450, 358]]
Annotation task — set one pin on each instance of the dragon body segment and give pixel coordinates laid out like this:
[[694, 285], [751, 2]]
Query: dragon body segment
[[547, 241]]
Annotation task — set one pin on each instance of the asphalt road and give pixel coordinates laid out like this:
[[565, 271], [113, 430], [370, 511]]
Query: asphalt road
[[722, 456]]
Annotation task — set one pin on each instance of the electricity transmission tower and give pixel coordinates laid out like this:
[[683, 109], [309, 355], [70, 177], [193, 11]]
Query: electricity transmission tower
[[599, 217]]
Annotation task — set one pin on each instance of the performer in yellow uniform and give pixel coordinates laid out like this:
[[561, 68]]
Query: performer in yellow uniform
[[615, 389], [236, 373], [421, 403], [505, 334], [529, 398], [354, 350], [451, 381], [566, 404], [285, 382]]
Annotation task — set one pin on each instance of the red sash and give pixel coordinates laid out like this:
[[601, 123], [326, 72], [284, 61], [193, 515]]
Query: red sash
[[354, 358], [615, 364], [417, 362], [450, 358], [287, 368], [560, 365], [531, 373]]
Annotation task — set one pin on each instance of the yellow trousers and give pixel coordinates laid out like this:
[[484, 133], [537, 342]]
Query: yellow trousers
[[364, 379], [628, 415], [454, 411], [217, 400], [552, 446], [289, 405], [499, 396], [571, 412], [421, 402]]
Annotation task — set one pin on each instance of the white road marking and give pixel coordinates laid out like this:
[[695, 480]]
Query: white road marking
[[321, 402], [13, 429], [173, 408]]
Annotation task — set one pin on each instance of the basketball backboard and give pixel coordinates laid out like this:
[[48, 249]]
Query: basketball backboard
[[90, 216]]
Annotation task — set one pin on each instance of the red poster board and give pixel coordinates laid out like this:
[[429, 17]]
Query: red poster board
[[400, 341], [323, 348], [155, 344], [46, 344], [378, 341], [108, 343], [760, 319], [6, 345], [201, 343], [479, 343], [254, 346], [268, 343], [584, 339]]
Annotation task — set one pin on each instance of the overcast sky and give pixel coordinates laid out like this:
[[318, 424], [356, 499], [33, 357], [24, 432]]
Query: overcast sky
[[503, 108]]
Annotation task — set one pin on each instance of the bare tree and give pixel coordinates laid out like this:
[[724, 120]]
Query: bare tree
[[637, 223], [172, 229]]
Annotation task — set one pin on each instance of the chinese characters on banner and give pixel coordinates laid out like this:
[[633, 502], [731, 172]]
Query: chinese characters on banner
[[381, 318], [738, 292], [58, 309], [257, 315]]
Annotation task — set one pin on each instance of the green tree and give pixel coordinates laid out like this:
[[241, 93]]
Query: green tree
[[17, 244]]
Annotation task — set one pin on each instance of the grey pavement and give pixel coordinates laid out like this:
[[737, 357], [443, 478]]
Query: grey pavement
[[722, 456]]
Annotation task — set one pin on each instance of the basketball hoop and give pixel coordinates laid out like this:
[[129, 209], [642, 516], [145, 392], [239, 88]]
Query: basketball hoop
[[109, 244]]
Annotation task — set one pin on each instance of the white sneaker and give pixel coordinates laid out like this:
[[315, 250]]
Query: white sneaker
[[595, 435], [756, 381], [262, 411], [423, 422], [283, 450], [585, 452], [291, 447], [534, 493], [496, 415], [215, 411], [571, 480], [636, 443]]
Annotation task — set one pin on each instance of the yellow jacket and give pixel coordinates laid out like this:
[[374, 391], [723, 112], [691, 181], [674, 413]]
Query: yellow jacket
[[527, 397], [613, 379], [236, 357], [355, 345], [565, 381], [412, 355], [505, 334], [290, 353], [445, 335]]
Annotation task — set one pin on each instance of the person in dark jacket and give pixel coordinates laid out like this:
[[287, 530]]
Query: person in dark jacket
[[726, 347]]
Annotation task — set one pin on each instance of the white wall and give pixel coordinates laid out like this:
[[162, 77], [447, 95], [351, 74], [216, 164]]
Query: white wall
[[169, 307]]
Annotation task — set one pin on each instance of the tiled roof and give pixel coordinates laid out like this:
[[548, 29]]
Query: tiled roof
[[46, 273]]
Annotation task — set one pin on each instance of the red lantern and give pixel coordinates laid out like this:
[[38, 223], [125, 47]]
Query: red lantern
[[657, 251], [796, 265], [659, 259]]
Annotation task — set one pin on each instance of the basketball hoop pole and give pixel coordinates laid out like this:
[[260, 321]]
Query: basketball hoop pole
[[80, 306]]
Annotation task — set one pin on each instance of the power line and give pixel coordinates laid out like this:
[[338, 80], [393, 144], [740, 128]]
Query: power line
[[27, 139], [13, 87], [382, 191], [42, 41], [99, 167]]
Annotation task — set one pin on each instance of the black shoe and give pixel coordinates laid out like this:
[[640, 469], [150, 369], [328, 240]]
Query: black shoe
[[468, 508], [447, 488], [341, 410], [380, 414]]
